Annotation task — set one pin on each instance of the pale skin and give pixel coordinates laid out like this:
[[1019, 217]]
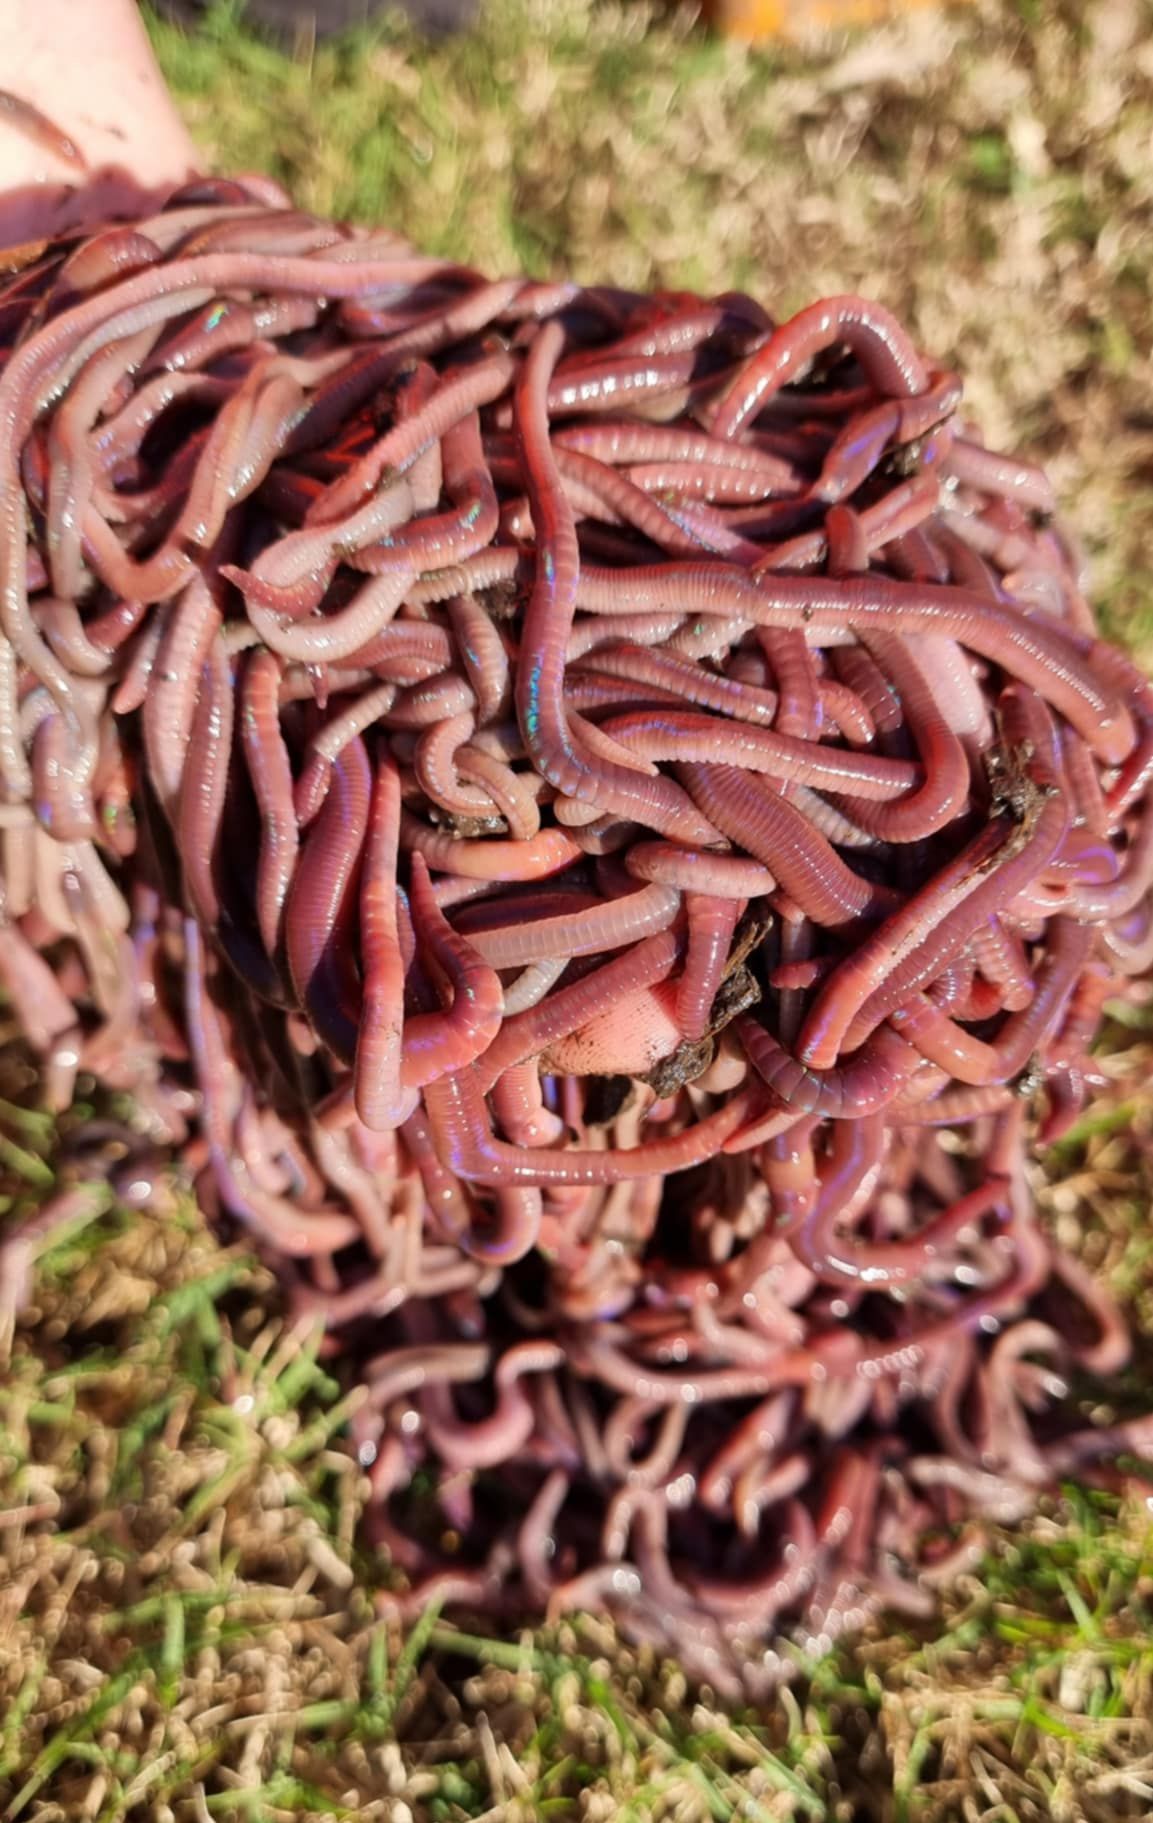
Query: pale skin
[[87, 126]]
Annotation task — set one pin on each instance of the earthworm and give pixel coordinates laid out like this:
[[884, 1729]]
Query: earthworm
[[588, 821], [482, 654], [857, 449], [852, 1090], [898, 951], [440, 1044], [1042, 656], [185, 630], [202, 796], [780, 836], [625, 443], [944, 793], [320, 904], [614, 925], [945, 941], [548, 618], [270, 769], [682, 736], [500, 1436], [889, 359], [276, 1217], [973, 1060], [465, 1140], [380, 1031], [436, 774], [711, 924], [572, 1008], [449, 404], [694, 870], [40, 129]]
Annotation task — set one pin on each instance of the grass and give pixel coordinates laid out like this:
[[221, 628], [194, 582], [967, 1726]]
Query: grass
[[188, 1628]]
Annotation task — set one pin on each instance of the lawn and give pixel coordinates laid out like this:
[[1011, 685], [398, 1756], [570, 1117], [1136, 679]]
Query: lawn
[[187, 1630]]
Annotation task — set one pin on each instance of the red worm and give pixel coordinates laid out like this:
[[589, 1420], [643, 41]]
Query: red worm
[[379, 1037], [700, 871], [681, 735], [322, 902], [592, 932], [950, 935], [712, 922], [973, 1060], [857, 449], [43, 132], [548, 853], [751, 814], [621, 441], [547, 621], [202, 797], [440, 1044], [1040, 655], [568, 1009], [275, 1219], [270, 769], [912, 945], [944, 793], [863, 1085], [880, 345]]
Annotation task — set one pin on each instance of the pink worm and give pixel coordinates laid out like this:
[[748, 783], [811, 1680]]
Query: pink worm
[[660, 734], [584, 933], [712, 922], [190, 625], [518, 1103], [458, 394], [498, 1438], [513, 793], [442, 540], [1000, 957], [202, 797], [1022, 859], [322, 904], [274, 1218], [861, 1086], [482, 654], [782, 838], [550, 852], [972, 1060], [439, 1044], [944, 794], [1040, 654], [379, 1037], [270, 771], [873, 335], [466, 1144], [547, 623], [974, 885], [700, 871], [622, 441], [569, 1008], [857, 449]]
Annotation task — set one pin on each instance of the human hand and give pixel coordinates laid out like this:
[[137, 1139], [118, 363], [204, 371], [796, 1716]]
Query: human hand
[[88, 130]]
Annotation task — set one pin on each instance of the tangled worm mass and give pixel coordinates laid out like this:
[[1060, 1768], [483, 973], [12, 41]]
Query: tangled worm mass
[[597, 826]]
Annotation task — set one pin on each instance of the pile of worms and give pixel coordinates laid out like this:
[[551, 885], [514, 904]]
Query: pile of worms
[[596, 828]]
